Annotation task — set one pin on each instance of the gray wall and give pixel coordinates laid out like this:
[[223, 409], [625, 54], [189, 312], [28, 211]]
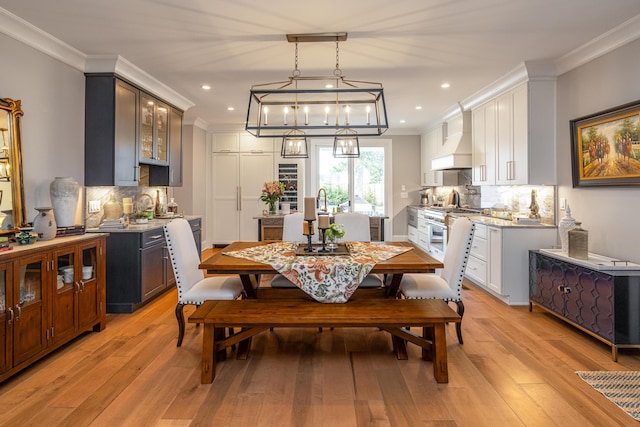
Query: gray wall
[[52, 95], [405, 152], [608, 213]]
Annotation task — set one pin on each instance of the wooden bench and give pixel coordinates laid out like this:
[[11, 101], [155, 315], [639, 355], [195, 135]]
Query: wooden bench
[[391, 315]]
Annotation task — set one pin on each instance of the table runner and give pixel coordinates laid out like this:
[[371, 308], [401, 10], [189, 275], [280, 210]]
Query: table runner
[[328, 279]]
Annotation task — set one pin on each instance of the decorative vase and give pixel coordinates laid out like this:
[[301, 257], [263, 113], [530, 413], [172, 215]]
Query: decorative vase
[[64, 193], [112, 209], [45, 224], [564, 225], [272, 208]]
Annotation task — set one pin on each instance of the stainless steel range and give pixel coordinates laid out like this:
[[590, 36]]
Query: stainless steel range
[[433, 224]]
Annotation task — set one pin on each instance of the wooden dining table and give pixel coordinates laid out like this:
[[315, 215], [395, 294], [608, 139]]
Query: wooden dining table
[[412, 261]]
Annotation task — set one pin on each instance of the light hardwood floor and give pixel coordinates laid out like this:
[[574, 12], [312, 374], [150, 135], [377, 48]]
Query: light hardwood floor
[[515, 369]]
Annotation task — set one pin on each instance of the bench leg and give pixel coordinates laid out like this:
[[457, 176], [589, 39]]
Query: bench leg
[[440, 369], [427, 334], [208, 364]]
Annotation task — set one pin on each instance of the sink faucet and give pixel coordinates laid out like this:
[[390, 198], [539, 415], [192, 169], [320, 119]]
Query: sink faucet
[[325, 198]]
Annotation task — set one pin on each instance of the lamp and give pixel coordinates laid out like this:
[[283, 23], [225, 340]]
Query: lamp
[[345, 144], [294, 145], [316, 106]]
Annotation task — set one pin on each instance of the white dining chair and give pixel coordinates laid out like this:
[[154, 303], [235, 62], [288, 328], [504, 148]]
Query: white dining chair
[[193, 287], [447, 285], [356, 229]]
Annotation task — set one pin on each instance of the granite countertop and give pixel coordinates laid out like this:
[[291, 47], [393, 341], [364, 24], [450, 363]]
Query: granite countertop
[[506, 223], [139, 228]]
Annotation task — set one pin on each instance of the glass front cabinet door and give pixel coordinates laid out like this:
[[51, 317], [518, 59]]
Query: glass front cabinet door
[[154, 120], [6, 317]]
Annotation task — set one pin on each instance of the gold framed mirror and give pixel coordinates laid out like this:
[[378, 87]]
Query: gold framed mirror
[[12, 209]]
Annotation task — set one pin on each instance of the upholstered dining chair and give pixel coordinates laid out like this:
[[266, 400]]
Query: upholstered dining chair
[[356, 229], [193, 287], [291, 232], [447, 285]]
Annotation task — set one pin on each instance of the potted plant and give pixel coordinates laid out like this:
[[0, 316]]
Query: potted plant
[[272, 191]]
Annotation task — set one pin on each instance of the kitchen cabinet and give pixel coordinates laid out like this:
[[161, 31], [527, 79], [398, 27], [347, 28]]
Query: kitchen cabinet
[[138, 266], [601, 303], [124, 128], [514, 132], [38, 311], [430, 142], [498, 261], [238, 178]]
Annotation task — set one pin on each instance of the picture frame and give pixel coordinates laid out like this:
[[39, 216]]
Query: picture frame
[[605, 147]]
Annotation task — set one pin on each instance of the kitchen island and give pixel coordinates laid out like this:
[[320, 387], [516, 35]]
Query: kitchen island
[[270, 227], [138, 266]]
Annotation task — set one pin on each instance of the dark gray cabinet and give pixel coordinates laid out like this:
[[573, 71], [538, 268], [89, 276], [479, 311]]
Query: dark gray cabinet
[[603, 304], [126, 127], [138, 267]]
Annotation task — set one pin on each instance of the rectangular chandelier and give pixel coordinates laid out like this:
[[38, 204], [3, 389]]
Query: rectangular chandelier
[[318, 106]]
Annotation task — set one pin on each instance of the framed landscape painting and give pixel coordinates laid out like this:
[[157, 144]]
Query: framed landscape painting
[[605, 147]]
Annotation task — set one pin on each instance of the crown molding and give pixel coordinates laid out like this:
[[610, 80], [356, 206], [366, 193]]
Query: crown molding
[[197, 122], [17, 28], [120, 66], [624, 33]]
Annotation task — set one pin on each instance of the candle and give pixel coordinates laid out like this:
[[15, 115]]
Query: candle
[[306, 230], [306, 115], [286, 111], [326, 115], [323, 221], [127, 208], [309, 208], [347, 109], [368, 114], [266, 116]]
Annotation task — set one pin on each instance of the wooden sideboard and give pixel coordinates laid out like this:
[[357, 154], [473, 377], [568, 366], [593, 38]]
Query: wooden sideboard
[[270, 227], [603, 304], [41, 308]]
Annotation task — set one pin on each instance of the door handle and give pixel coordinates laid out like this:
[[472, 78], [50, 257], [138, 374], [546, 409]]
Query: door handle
[[19, 310], [10, 321]]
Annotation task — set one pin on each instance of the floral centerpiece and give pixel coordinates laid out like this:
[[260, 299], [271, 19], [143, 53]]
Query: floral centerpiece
[[334, 232], [271, 193]]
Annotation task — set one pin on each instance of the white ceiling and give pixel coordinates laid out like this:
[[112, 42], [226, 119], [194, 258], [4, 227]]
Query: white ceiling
[[411, 46]]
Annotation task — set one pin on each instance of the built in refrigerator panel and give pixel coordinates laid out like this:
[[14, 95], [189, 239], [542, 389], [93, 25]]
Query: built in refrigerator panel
[[290, 173]]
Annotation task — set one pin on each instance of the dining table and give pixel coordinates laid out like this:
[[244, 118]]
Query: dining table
[[413, 260], [410, 260]]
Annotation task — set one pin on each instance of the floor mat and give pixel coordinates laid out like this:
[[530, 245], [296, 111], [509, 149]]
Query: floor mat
[[620, 387]]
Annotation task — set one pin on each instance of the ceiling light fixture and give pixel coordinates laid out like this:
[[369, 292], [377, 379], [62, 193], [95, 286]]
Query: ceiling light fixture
[[445, 85], [206, 87], [309, 107]]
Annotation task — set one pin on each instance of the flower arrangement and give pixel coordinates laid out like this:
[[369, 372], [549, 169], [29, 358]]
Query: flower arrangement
[[335, 231], [272, 191]]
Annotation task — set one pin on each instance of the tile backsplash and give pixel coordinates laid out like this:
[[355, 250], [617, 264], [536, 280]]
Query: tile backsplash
[[103, 194]]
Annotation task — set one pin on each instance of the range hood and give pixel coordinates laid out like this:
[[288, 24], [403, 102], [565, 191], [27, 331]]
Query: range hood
[[455, 153]]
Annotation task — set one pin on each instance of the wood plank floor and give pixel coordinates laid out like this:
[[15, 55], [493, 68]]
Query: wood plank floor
[[515, 369]]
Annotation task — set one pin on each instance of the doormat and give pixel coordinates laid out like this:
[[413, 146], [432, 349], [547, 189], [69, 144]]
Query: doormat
[[620, 387]]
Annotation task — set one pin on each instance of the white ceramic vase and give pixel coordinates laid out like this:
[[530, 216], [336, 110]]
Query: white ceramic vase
[[564, 225], [45, 224], [64, 193]]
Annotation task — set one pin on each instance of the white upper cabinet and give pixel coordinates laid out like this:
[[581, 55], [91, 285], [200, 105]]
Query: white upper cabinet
[[514, 137], [251, 144], [429, 144], [226, 142]]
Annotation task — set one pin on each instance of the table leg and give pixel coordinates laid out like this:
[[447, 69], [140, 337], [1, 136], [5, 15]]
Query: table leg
[[392, 290], [440, 369], [399, 347], [248, 285], [208, 363]]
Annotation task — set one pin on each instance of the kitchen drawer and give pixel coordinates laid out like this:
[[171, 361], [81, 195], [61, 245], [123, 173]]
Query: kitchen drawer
[[479, 247], [480, 231], [423, 226], [477, 270], [423, 241], [412, 234], [151, 237]]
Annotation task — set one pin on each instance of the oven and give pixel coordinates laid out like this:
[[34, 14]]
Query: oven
[[412, 216], [436, 232]]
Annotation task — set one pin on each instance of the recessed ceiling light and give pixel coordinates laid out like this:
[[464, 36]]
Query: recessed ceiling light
[[206, 87], [230, 109], [419, 107], [402, 121], [329, 86], [445, 85]]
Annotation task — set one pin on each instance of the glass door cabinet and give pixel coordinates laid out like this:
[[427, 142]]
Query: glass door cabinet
[[154, 120]]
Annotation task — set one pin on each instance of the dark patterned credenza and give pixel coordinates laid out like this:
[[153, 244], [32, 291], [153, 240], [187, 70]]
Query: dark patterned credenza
[[604, 304]]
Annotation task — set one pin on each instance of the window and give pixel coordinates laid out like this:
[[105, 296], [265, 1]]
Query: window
[[353, 184]]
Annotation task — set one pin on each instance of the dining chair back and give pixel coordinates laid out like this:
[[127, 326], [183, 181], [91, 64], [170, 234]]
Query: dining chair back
[[447, 285], [193, 287], [356, 229], [292, 228], [356, 226]]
